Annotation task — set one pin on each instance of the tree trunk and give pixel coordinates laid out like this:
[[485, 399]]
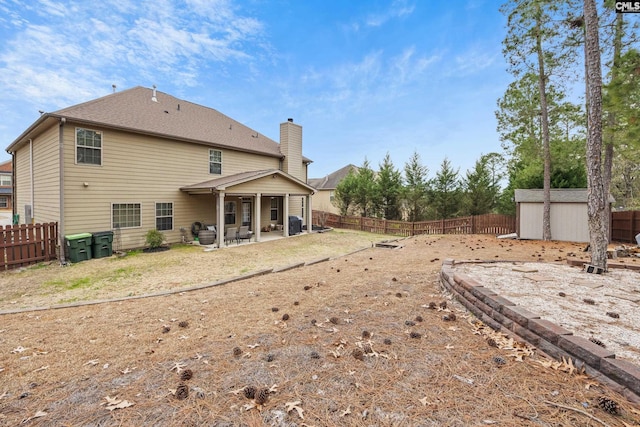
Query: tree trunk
[[612, 121], [595, 194], [542, 86]]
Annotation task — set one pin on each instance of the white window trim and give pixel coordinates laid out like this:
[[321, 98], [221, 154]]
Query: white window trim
[[128, 203], [219, 151], [75, 137], [155, 217], [235, 212]]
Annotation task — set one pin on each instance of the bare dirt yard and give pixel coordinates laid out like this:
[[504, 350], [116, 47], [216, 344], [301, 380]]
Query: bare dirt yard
[[350, 341]]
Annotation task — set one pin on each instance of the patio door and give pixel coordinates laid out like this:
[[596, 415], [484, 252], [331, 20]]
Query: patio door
[[246, 213]]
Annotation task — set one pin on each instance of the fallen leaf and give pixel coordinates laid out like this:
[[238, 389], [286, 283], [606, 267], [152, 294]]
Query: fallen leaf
[[346, 411], [18, 349], [424, 401], [178, 367], [92, 362], [123, 404], [449, 347], [252, 346], [290, 406]]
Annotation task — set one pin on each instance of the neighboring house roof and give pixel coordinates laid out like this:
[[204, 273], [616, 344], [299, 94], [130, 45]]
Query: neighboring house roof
[[331, 181], [558, 195], [6, 167], [138, 110], [223, 183]]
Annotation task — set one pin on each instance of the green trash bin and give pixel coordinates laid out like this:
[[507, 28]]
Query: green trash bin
[[102, 244], [78, 247]]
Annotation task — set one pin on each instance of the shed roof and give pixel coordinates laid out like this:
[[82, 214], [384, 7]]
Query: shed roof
[[558, 195]]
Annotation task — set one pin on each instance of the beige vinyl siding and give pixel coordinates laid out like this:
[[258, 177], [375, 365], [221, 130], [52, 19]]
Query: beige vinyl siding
[[46, 171], [321, 201], [291, 146], [141, 169]]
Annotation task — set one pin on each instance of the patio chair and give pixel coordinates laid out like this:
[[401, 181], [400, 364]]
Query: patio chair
[[244, 233], [231, 235]]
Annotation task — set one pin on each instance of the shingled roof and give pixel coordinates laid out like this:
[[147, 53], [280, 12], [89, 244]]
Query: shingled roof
[[138, 110], [331, 181]]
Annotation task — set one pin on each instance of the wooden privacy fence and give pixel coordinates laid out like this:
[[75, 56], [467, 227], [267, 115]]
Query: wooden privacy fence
[[26, 244], [624, 226], [480, 224]]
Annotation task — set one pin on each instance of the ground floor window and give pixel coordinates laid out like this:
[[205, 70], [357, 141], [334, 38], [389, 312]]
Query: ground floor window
[[274, 209], [125, 215], [4, 202], [164, 216], [230, 213]]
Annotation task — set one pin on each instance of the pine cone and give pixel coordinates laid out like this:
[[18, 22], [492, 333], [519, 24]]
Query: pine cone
[[261, 396], [410, 323], [249, 392], [237, 351], [432, 305], [419, 319], [596, 341], [415, 335], [387, 341], [562, 294], [334, 320], [182, 392], [166, 329], [608, 405], [366, 349], [315, 355], [357, 354], [449, 317], [499, 361], [187, 374], [366, 334], [285, 317], [270, 357], [443, 305], [275, 309], [492, 342], [613, 314], [183, 324], [588, 301], [307, 287]]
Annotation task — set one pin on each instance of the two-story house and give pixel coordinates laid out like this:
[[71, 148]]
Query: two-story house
[[6, 193], [141, 159]]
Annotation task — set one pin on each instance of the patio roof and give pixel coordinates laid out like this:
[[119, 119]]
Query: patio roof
[[226, 183]]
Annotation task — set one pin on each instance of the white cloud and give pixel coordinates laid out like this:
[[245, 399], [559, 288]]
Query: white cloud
[[398, 9]]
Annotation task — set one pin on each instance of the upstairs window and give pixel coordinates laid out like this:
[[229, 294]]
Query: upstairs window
[[5, 180], [88, 147], [215, 162]]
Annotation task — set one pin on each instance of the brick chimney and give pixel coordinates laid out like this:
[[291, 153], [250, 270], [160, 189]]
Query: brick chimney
[[291, 149]]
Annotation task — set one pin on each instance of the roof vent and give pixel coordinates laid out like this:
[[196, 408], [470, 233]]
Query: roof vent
[[153, 97], [290, 120], [113, 86]]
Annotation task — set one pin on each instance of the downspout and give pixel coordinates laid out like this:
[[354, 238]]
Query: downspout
[[31, 178], [61, 160]]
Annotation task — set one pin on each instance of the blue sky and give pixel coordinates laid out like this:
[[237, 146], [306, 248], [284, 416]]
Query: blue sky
[[363, 78]]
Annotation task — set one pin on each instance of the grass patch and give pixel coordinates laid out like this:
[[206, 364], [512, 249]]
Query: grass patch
[[81, 282]]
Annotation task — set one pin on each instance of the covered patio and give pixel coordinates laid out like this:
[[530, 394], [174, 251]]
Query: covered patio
[[267, 199]]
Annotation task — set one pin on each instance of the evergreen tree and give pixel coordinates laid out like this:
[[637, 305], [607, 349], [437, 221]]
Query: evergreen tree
[[364, 193], [481, 186], [389, 189], [416, 189], [344, 194], [446, 191]]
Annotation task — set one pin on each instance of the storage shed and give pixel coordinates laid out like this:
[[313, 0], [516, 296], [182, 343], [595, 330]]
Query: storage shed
[[569, 220]]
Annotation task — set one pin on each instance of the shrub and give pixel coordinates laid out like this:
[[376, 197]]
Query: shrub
[[154, 238]]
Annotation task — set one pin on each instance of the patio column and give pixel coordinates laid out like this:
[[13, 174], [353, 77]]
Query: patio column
[[220, 220], [309, 215], [285, 213], [256, 215]]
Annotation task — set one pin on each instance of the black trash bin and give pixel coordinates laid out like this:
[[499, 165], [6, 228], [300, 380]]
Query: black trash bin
[[295, 225], [102, 244]]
